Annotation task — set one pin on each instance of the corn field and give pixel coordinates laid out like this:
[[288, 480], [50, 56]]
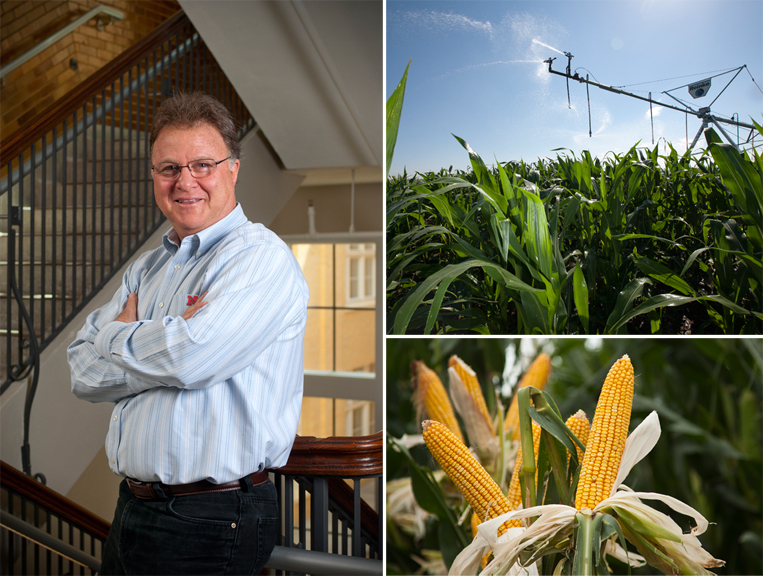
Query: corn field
[[708, 394], [635, 243]]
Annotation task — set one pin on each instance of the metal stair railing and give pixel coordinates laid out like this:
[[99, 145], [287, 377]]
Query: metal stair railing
[[76, 196], [43, 532]]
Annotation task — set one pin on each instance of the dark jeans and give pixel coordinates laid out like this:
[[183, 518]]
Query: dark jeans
[[219, 533]]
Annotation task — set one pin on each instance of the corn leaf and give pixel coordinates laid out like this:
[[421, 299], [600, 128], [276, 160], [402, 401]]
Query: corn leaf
[[664, 275], [653, 303], [394, 110], [632, 290], [580, 292], [448, 274], [644, 526]]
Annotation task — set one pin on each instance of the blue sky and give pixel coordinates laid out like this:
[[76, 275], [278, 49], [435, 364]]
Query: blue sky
[[477, 72]]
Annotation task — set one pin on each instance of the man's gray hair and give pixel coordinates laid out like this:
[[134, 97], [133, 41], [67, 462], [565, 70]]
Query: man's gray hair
[[189, 110]]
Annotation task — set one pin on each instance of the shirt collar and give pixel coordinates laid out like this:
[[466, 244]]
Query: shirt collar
[[205, 239]]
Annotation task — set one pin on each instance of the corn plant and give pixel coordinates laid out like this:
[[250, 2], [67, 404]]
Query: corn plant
[[583, 245], [577, 518]]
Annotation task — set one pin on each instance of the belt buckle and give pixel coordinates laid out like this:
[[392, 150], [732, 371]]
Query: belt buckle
[[143, 486]]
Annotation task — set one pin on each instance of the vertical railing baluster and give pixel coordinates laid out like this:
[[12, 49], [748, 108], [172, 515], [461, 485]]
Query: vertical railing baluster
[[302, 527], [288, 501], [48, 554], [357, 529], [184, 85], [319, 522], [32, 234], [20, 260], [335, 533], [81, 547], [24, 569], [8, 310], [345, 538], [54, 232], [204, 52], [121, 184], [83, 231], [36, 524], [102, 235], [43, 235], [11, 497], [65, 204], [380, 508], [93, 200], [155, 108], [111, 177], [71, 541], [146, 153], [129, 162], [75, 209]]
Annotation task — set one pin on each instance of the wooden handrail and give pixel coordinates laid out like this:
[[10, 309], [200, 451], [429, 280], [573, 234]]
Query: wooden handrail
[[27, 135], [341, 456], [337, 456], [53, 501]]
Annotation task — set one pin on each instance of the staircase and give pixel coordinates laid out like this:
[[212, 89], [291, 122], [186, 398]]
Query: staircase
[[76, 196], [83, 214], [326, 527]]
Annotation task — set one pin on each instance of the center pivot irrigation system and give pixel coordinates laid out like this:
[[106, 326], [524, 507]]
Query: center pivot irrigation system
[[696, 90]]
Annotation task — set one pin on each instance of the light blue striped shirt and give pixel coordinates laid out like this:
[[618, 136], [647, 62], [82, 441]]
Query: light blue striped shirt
[[215, 397]]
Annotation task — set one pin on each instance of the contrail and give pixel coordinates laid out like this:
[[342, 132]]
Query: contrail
[[547, 46]]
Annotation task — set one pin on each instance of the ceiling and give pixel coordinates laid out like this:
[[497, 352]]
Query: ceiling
[[311, 74]]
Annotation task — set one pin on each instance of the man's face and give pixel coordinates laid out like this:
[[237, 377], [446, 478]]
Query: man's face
[[191, 204]]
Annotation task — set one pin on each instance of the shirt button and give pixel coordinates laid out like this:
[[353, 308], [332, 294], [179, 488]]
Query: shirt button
[[177, 266], [116, 417], [161, 304], [112, 461]]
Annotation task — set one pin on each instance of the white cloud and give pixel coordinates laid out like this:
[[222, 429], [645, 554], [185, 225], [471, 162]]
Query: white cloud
[[656, 110], [422, 21]]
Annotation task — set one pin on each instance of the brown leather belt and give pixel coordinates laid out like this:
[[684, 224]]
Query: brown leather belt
[[154, 490]]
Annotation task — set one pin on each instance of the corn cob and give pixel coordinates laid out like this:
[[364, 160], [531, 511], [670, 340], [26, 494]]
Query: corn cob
[[469, 378], [606, 440], [431, 397], [515, 489], [536, 375], [579, 426], [469, 476]]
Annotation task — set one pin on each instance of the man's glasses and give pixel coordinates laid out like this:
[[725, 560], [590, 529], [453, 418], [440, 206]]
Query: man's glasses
[[197, 168]]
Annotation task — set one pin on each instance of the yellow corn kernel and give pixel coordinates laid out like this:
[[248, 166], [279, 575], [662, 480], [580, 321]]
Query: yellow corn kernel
[[606, 440], [431, 397], [579, 426], [515, 489], [475, 522], [469, 476], [536, 375], [469, 378]]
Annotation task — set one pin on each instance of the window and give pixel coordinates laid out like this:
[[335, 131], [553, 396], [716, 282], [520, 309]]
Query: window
[[361, 264], [341, 314], [343, 390]]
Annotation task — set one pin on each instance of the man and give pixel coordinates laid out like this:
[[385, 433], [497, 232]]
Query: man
[[202, 352]]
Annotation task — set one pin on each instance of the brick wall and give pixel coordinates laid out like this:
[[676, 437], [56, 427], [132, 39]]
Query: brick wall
[[31, 88]]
